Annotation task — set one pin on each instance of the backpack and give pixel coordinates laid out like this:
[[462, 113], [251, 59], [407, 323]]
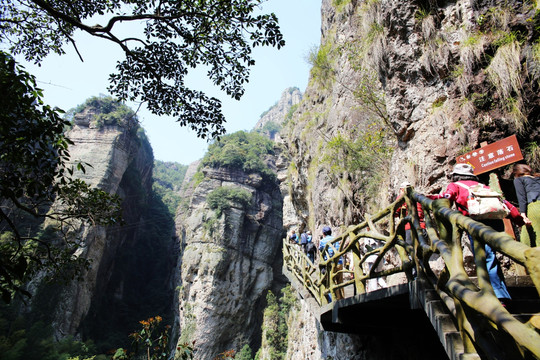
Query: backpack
[[484, 203], [310, 247]]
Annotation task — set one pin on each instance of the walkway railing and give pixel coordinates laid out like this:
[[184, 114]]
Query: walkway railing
[[476, 310]]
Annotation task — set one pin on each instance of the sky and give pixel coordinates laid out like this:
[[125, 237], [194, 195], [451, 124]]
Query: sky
[[68, 82]]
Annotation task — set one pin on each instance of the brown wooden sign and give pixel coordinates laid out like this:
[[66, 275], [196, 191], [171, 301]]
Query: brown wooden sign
[[493, 156]]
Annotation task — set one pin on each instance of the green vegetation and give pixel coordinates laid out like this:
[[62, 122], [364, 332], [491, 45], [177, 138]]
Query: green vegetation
[[290, 114], [439, 102], [243, 151], [532, 154], [21, 339], [268, 110], [154, 343], [168, 178], [372, 97], [245, 353], [504, 72], [107, 111], [223, 198], [190, 326], [211, 224], [367, 154], [340, 4], [276, 323], [321, 60], [178, 37], [421, 14], [270, 128]]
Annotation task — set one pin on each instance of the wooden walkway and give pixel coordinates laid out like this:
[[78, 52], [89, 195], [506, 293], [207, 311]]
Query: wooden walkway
[[462, 311]]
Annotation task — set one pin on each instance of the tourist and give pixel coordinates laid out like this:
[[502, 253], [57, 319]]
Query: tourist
[[527, 187], [457, 193], [367, 245], [311, 248], [327, 232], [303, 241], [402, 212], [293, 239]]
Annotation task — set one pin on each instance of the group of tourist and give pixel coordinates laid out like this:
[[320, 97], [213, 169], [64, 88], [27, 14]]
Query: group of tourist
[[305, 242], [458, 191]]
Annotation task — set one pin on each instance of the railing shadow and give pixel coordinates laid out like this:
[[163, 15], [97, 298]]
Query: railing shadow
[[477, 313]]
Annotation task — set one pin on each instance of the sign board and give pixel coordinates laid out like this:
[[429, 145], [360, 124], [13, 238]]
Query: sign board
[[493, 156]]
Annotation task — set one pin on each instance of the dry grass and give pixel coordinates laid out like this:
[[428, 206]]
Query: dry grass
[[373, 48], [499, 17], [436, 53], [471, 50], [533, 61], [532, 154], [504, 72], [468, 109], [463, 80], [428, 27]]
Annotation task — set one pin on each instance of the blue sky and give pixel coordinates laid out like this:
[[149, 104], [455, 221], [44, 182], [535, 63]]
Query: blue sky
[[68, 82]]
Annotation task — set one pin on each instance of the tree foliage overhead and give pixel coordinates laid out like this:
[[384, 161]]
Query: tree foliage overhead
[[34, 174], [177, 36]]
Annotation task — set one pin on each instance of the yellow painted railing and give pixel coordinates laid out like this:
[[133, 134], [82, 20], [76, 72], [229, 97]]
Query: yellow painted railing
[[475, 308]]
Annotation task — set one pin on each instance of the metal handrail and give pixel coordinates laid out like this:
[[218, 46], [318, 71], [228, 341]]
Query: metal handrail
[[473, 306]]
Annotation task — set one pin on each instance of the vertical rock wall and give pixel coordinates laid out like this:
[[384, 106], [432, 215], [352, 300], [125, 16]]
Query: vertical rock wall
[[227, 261], [109, 151], [436, 65]]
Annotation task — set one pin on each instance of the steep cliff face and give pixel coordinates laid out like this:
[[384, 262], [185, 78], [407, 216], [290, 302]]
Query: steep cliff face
[[227, 260], [437, 77], [114, 153], [397, 91], [272, 120]]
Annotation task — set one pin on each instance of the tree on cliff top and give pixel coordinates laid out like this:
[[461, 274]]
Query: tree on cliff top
[[177, 36]]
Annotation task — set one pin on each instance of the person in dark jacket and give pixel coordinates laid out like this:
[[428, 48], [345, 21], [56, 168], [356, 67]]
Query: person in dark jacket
[[311, 248], [463, 173], [303, 241], [527, 187]]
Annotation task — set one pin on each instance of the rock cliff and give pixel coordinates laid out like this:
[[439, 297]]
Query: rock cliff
[[397, 91], [271, 122], [119, 162], [109, 151], [228, 259]]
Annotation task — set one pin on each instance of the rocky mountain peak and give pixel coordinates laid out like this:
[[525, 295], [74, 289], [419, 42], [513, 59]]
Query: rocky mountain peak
[[271, 121]]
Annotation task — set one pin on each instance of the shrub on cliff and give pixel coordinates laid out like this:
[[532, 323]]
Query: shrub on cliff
[[241, 150], [107, 111], [168, 178], [276, 324], [224, 197]]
